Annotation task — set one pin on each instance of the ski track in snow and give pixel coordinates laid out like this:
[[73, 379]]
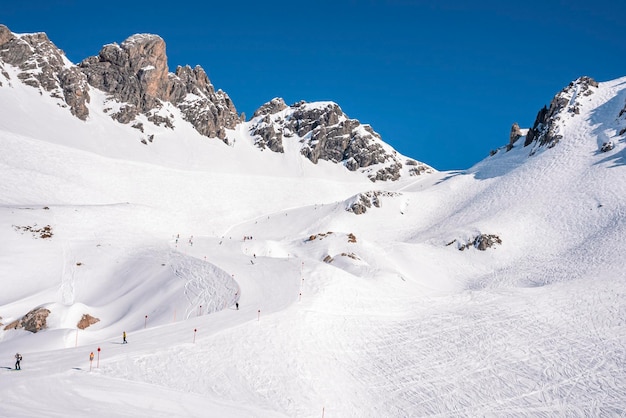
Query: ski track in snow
[[397, 324]]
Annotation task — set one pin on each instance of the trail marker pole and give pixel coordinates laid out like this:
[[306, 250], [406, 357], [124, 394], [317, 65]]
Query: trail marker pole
[[200, 310], [98, 363], [145, 322], [194, 335], [258, 315], [322, 412]]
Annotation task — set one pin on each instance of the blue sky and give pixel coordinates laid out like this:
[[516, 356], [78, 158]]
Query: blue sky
[[441, 81]]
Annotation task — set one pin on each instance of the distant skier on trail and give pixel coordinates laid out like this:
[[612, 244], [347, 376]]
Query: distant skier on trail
[[18, 359], [237, 305], [124, 338]]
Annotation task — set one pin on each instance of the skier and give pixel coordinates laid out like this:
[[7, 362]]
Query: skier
[[124, 338], [237, 305], [18, 359]]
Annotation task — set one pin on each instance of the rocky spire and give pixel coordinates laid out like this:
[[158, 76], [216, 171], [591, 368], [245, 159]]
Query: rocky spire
[[136, 73]]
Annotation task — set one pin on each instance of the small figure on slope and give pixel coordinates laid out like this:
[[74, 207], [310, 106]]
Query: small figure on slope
[[18, 359], [124, 338]]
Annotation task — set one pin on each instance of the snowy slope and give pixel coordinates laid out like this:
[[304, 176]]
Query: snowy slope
[[340, 314]]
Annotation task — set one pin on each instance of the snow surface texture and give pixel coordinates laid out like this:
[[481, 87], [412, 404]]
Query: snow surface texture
[[340, 315]]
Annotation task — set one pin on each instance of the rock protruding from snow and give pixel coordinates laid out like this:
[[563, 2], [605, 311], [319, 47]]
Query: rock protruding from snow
[[33, 321], [361, 202], [136, 73], [42, 65], [480, 242], [516, 133], [324, 132], [545, 130], [87, 320]]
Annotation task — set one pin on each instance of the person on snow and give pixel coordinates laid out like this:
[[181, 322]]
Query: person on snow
[[18, 359], [237, 305], [124, 338]]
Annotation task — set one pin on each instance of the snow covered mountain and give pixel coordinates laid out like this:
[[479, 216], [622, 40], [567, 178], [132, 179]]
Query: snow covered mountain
[[296, 265], [132, 84]]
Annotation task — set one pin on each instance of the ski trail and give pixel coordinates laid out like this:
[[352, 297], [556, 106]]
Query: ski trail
[[207, 288]]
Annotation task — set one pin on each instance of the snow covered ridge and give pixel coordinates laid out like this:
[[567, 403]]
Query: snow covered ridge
[[140, 92], [554, 123]]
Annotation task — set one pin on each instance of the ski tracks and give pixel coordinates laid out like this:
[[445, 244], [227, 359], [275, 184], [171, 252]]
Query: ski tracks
[[208, 289]]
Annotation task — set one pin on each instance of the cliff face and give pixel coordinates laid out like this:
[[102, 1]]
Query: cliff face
[[43, 66], [136, 73]]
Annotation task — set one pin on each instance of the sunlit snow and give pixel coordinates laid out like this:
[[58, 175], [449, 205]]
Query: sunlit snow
[[340, 315]]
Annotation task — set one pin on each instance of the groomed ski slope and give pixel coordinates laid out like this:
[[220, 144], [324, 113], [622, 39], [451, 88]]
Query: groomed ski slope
[[398, 324]]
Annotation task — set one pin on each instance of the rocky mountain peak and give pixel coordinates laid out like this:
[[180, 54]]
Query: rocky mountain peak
[[325, 132], [545, 130], [43, 66], [273, 106], [134, 72]]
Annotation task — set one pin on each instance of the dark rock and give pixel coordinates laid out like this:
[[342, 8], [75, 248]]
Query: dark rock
[[544, 130]]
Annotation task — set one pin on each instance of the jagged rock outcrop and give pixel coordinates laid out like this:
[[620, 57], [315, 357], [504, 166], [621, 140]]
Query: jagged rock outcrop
[[545, 130], [33, 321], [363, 201], [326, 133], [136, 73], [42, 65], [481, 242], [516, 133]]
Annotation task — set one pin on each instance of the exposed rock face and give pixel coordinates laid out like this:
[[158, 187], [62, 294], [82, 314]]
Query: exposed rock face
[[42, 65], [545, 130], [33, 321], [481, 242], [516, 133], [86, 320], [363, 201], [326, 133], [136, 73]]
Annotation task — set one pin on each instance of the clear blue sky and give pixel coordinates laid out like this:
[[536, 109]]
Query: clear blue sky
[[441, 81]]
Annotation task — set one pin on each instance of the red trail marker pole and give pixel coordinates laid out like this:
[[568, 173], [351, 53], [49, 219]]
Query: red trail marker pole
[[98, 363], [194, 335], [145, 322], [258, 315]]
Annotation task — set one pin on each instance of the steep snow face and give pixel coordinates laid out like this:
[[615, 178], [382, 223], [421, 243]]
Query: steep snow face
[[261, 284]]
